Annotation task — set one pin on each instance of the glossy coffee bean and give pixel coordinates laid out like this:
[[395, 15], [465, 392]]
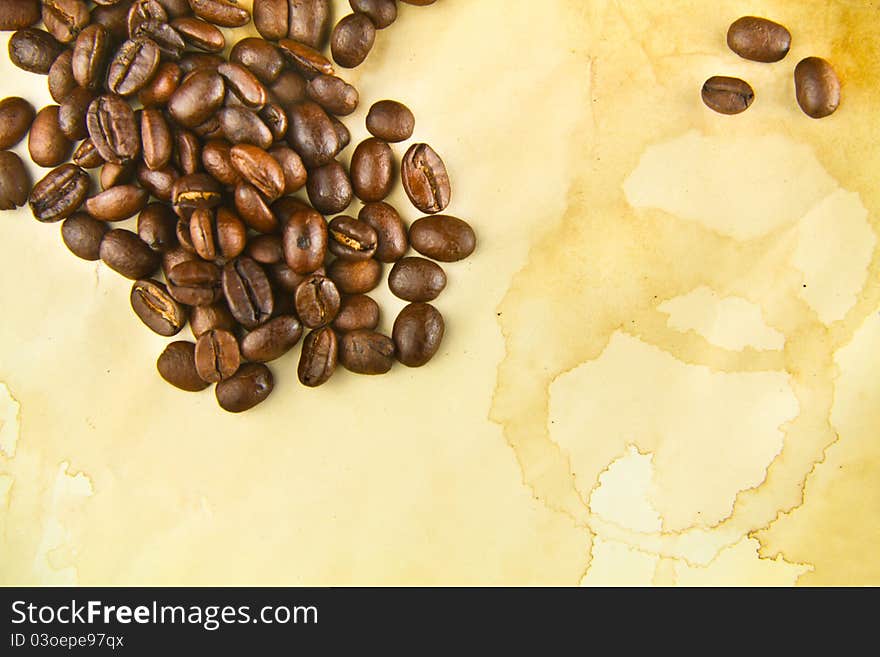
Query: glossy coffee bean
[[177, 365], [418, 332], [217, 355], [352, 39], [260, 169], [15, 182], [225, 13], [133, 67], [82, 235], [307, 21], [200, 61], [390, 121], [240, 125], [61, 81], [127, 254], [197, 98], [382, 12], [357, 312], [199, 34], [759, 39], [87, 156], [197, 190], [34, 50], [288, 89], [265, 249], [157, 141], [355, 277], [817, 87], [116, 174], [60, 193], [113, 129], [254, 209], [159, 90], [218, 162], [47, 144], [176, 255], [16, 117], [244, 84], [317, 301], [72, 114], [156, 226], [351, 239], [416, 279], [372, 170], [292, 168], [307, 61], [65, 18], [727, 95], [334, 94], [113, 18], [217, 235], [305, 239], [272, 340], [312, 134], [193, 282], [250, 386], [18, 14], [187, 152], [442, 238], [156, 308], [210, 317], [160, 182], [318, 358], [425, 179], [117, 203], [392, 241], [329, 188], [366, 352], [248, 292], [259, 56], [90, 55]]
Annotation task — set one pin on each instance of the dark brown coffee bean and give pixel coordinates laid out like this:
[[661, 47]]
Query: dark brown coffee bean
[[288, 89], [425, 179], [241, 126], [366, 352], [197, 190], [334, 94], [117, 203], [312, 134], [727, 95], [187, 152], [156, 226], [329, 188], [113, 18], [244, 84], [116, 174], [305, 241], [157, 142], [307, 21], [113, 129], [127, 254], [390, 231], [285, 207], [72, 114], [174, 256], [217, 355], [166, 38], [250, 386], [817, 87], [211, 317], [271, 18], [17, 14], [355, 276], [133, 67], [15, 182], [34, 50], [759, 39], [266, 249], [260, 169], [183, 232], [16, 117], [391, 121], [272, 340], [253, 209], [357, 312], [292, 168], [275, 118], [199, 34], [65, 18], [61, 81], [372, 170], [175, 8], [382, 12], [200, 61], [154, 306], [87, 156], [47, 144], [318, 359], [351, 239], [90, 56], [163, 85], [194, 282], [199, 95], [317, 301], [247, 292], [352, 39], [218, 162], [287, 281], [443, 238], [259, 56], [82, 235], [416, 279], [418, 332], [159, 183], [217, 235], [225, 13], [343, 136], [60, 193], [177, 365], [306, 60]]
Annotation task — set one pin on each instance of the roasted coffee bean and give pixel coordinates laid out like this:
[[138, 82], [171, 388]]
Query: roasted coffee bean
[[418, 332], [416, 279], [197, 190], [285, 207], [90, 56], [225, 13], [174, 256], [194, 282], [357, 312], [210, 129], [266, 249], [65, 18], [372, 170], [82, 235], [15, 182], [156, 226], [163, 35], [156, 308], [163, 85], [183, 233], [392, 241], [60, 193], [250, 386], [210, 317], [260, 57], [253, 209], [329, 188], [241, 126], [334, 94], [199, 95], [72, 114], [382, 12], [157, 142], [87, 156], [391, 121], [260, 169], [817, 87], [307, 21], [355, 276], [217, 355], [271, 18], [318, 359], [306, 60], [425, 179], [217, 235], [275, 118], [759, 39], [113, 18], [286, 280], [443, 238], [133, 67], [159, 183], [16, 117], [366, 352], [116, 174], [292, 168], [317, 301], [113, 129], [187, 152], [343, 136], [727, 95], [34, 50], [200, 61], [61, 81], [288, 89], [199, 34], [177, 365], [127, 254], [117, 203], [272, 340], [244, 84], [218, 162], [47, 144], [305, 239], [351, 239], [352, 39], [176, 8], [312, 134], [247, 292], [18, 14]]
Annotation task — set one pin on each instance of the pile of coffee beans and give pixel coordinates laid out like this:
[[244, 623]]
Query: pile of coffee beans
[[817, 86], [208, 150]]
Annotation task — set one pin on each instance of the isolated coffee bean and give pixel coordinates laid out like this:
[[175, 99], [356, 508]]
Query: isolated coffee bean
[[390, 121], [392, 241], [272, 340], [127, 254], [197, 190], [199, 34], [351, 239], [759, 39], [116, 174], [352, 39], [317, 301], [307, 61], [418, 332], [18, 14], [61, 81], [259, 168], [259, 56], [382, 12], [155, 226], [15, 182], [240, 125], [425, 179], [157, 142], [305, 240], [113, 129], [194, 282], [244, 84], [366, 352], [16, 117], [443, 238], [117, 203], [187, 152], [197, 98], [416, 279], [219, 234], [163, 85], [372, 170], [225, 13], [817, 87], [60, 193], [160, 182], [329, 188], [156, 308], [217, 355], [72, 114], [252, 207], [47, 144], [82, 235], [250, 386], [292, 167], [177, 365], [90, 54], [334, 94], [248, 292], [312, 134], [318, 358], [727, 95], [133, 67], [210, 317], [65, 18], [355, 276], [357, 312], [34, 50]]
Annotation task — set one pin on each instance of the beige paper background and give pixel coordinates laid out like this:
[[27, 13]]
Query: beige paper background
[[660, 367]]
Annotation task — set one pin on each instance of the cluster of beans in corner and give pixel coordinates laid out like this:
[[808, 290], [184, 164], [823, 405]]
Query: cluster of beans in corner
[[208, 152], [817, 86]]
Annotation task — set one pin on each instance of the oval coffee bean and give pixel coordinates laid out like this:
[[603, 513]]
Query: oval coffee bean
[[199, 34], [156, 308], [117, 203], [240, 125], [247, 292], [225, 13], [366, 352], [194, 282], [157, 141], [372, 170], [355, 277], [295, 174], [312, 134], [382, 12], [209, 317], [16, 117], [127, 254], [197, 98], [391, 121], [817, 87], [259, 168], [352, 39], [425, 179], [197, 190], [82, 235], [727, 95], [334, 94], [318, 359], [61, 81], [72, 114], [34, 50], [272, 340], [288, 89], [351, 239], [244, 84], [15, 182], [187, 152], [177, 255], [113, 129], [329, 188], [220, 235], [259, 56], [357, 312], [177, 365], [156, 226], [317, 301], [217, 161], [113, 18], [250, 386], [305, 238], [307, 21], [90, 56], [163, 85], [416, 279], [65, 18], [60, 193], [217, 355], [275, 118], [116, 174], [270, 18], [266, 249], [159, 183], [253, 209], [307, 61], [133, 67], [443, 238], [87, 156], [17, 14], [47, 144], [759, 39], [392, 242], [418, 332]]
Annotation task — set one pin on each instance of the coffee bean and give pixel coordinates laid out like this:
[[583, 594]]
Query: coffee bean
[[312, 134], [60, 193], [72, 114], [183, 232], [61, 81], [117, 203], [210, 317], [727, 95], [351, 239], [116, 174], [127, 254], [253, 209], [317, 301], [272, 340], [392, 242], [286, 281], [114, 19], [759, 39], [334, 94], [87, 156], [382, 12], [177, 365], [174, 256], [187, 152], [200, 61], [34, 50], [65, 18], [82, 235], [16, 117], [357, 312], [15, 182], [307, 21], [197, 98], [391, 121], [225, 13], [372, 170], [329, 188], [197, 190], [47, 144], [247, 292], [355, 277], [160, 182], [305, 241], [155, 226], [156, 308], [318, 359], [217, 235], [176, 8], [157, 141], [292, 168], [307, 61], [817, 87], [352, 39], [265, 249], [275, 118], [425, 179], [250, 386], [270, 18], [244, 84], [199, 34], [443, 238], [217, 355], [89, 57], [133, 67], [163, 85], [288, 89], [17, 14], [113, 129], [418, 332], [194, 282], [416, 279], [260, 169], [366, 352], [259, 56], [240, 125], [218, 163]]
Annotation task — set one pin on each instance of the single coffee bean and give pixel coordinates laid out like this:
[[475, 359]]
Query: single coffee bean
[[392, 242], [355, 276], [156, 226], [352, 39], [90, 56], [217, 235], [334, 94], [114, 19], [197, 190], [157, 142], [225, 13], [47, 144], [34, 50], [727, 95], [759, 39], [382, 12], [372, 170], [156, 308], [218, 162], [210, 317], [250, 386], [159, 183], [292, 168], [117, 203], [259, 168], [312, 134], [357, 312], [16, 117], [199, 34], [307, 61], [72, 114], [425, 179], [305, 239], [275, 118], [177, 365], [288, 89], [197, 98], [817, 87], [133, 67], [87, 156], [253, 209], [174, 256], [259, 56], [416, 279], [266, 249], [272, 340], [65, 18], [391, 121], [244, 84], [18, 14], [163, 85], [217, 355], [187, 152], [343, 136], [366, 352], [318, 359], [240, 125], [166, 38], [351, 239], [82, 235], [418, 332], [317, 301], [60, 193], [127, 254], [61, 81], [116, 174], [113, 129], [247, 292], [270, 18], [194, 282], [15, 182], [443, 238], [329, 188]]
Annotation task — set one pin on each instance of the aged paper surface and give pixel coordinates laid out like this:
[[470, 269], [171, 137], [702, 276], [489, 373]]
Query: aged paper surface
[[660, 366]]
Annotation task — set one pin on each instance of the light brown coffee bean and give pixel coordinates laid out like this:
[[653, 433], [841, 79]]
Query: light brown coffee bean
[[177, 365]]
